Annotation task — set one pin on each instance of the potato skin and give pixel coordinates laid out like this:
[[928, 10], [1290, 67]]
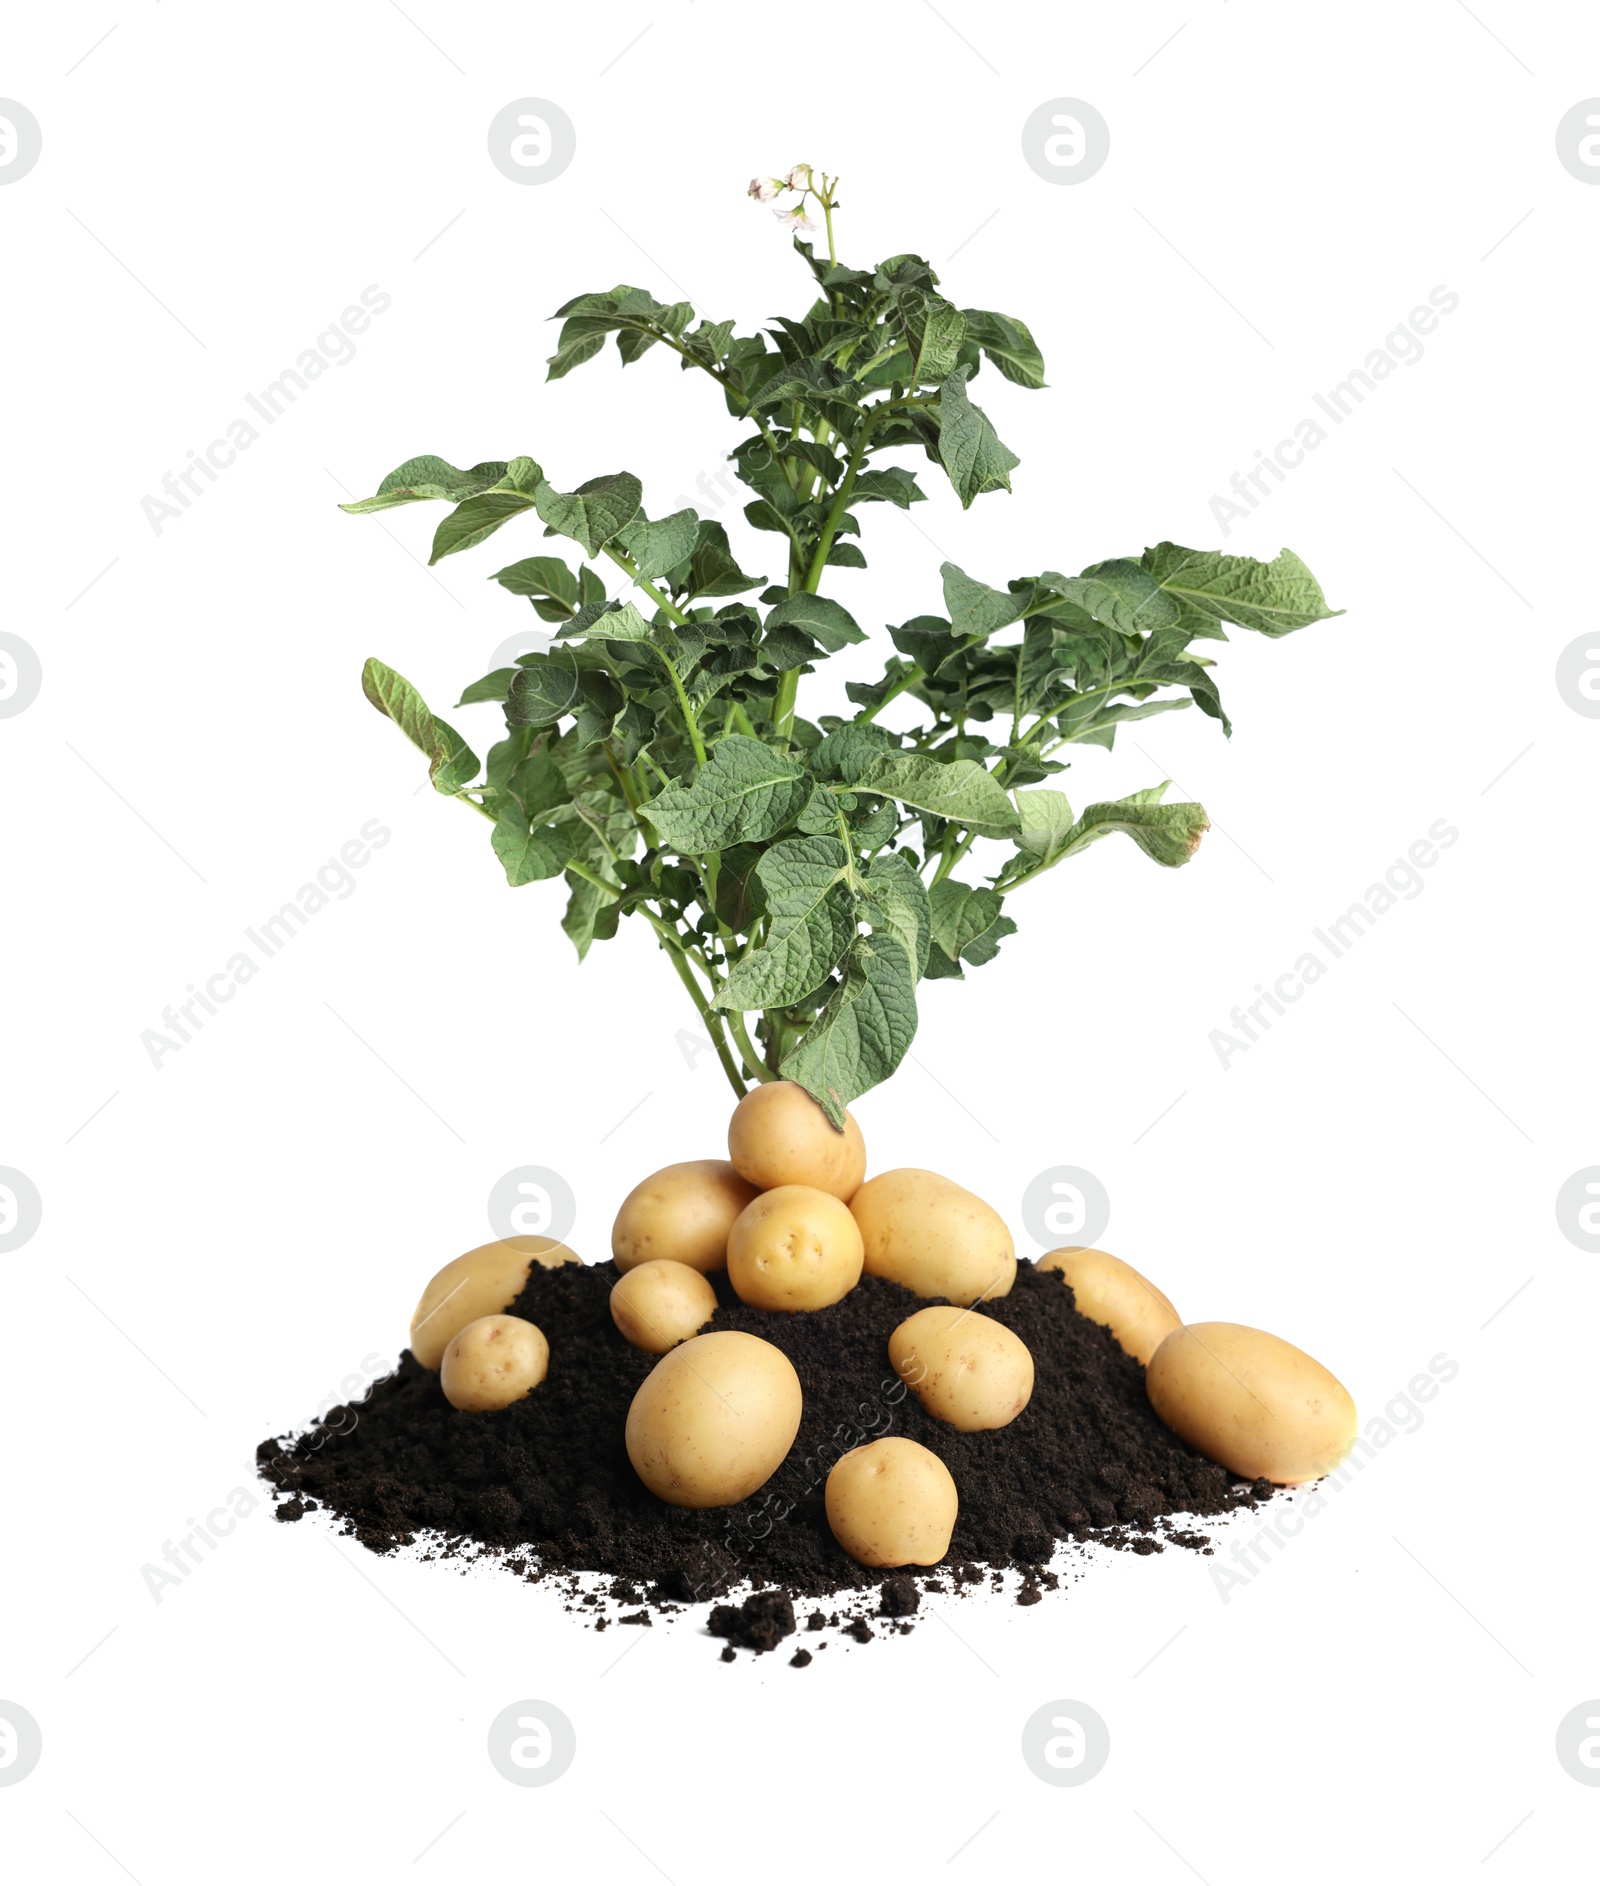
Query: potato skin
[[493, 1362], [964, 1367], [684, 1213], [714, 1419], [1108, 1291], [478, 1283], [780, 1136], [934, 1236], [794, 1248], [1253, 1402], [660, 1304], [892, 1502]]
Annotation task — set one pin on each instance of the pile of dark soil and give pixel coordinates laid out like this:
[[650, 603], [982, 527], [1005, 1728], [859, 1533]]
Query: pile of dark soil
[[548, 1483]]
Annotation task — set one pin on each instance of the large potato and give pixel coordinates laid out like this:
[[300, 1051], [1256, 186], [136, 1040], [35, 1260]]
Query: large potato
[[891, 1502], [660, 1304], [479, 1283], [934, 1237], [682, 1212], [1254, 1402], [780, 1136], [794, 1248], [714, 1419], [492, 1363], [965, 1368], [1113, 1293]]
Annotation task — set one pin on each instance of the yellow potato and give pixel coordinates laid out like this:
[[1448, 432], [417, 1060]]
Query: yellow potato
[[492, 1363], [964, 1367], [1113, 1293], [780, 1136], [483, 1281], [714, 1419], [891, 1502], [660, 1304], [794, 1248], [937, 1239], [1254, 1402], [682, 1212]]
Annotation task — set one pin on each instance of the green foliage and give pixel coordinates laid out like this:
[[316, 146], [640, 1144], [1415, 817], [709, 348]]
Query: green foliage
[[802, 876]]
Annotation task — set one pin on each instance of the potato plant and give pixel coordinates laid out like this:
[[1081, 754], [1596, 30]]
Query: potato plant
[[804, 875]]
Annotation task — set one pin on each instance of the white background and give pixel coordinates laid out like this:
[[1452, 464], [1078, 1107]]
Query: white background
[[1374, 1180]]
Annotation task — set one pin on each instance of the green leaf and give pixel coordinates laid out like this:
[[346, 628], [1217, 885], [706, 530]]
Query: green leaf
[[594, 513], [631, 313], [863, 1031], [746, 790], [528, 856], [543, 580], [1271, 598], [1170, 834], [1095, 724], [620, 622], [813, 381], [591, 913], [877, 827], [544, 688], [451, 762], [897, 905], [1046, 820], [820, 813], [740, 898], [967, 927], [894, 485], [968, 445], [1121, 594], [493, 687], [810, 924], [659, 547], [960, 790], [975, 608], [942, 334], [1009, 346], [538, 786], [480, 517], [848, 751], [783, 648], [713, 568], [428, 477], [820, 617]]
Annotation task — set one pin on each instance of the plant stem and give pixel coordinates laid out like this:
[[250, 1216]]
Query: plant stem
[[906, 680], [690, 724], [631, 570], [689, 721], [711, 1021], [836, 510], [783, 701], [754, 1066]]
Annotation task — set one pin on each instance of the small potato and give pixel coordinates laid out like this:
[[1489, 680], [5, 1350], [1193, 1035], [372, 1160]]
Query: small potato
[[794, 1248], [714, 1419], [492, 1363], [965, 1368], [1254, 1402], [937, 1239], [487, 1279], [780, 1136], [1113, 1293], [660, 1304], [682, 1212], [891, 1502]]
